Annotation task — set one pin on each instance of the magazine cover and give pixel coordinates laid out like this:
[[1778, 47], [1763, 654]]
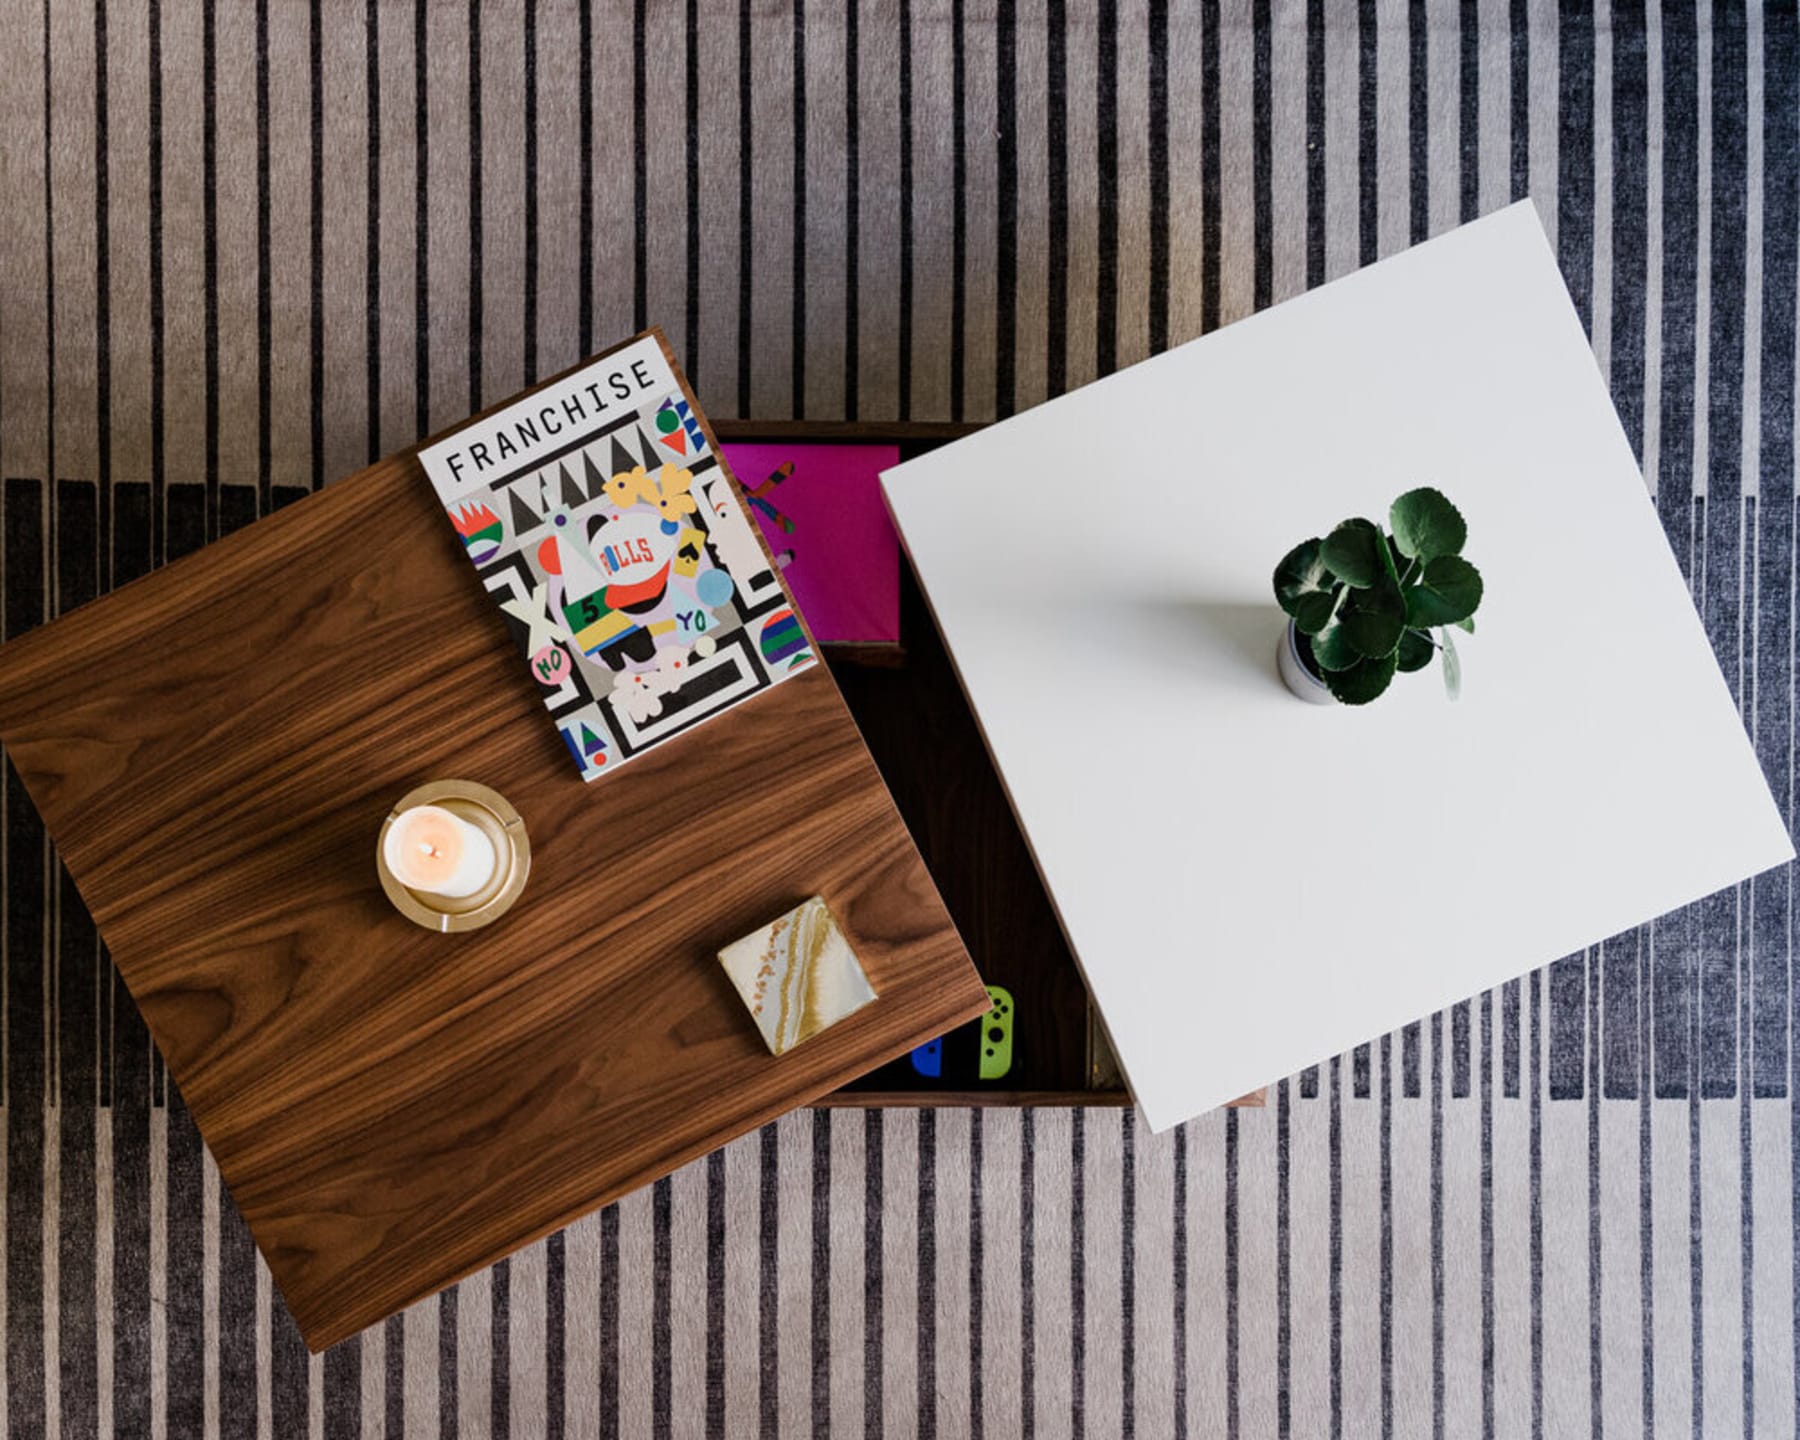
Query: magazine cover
[[596, 513]]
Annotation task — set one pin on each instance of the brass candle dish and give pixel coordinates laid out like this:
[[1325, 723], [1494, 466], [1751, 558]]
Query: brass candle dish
[[490, 813]]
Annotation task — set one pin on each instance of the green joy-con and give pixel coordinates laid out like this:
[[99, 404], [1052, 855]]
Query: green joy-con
[[997, 1035]]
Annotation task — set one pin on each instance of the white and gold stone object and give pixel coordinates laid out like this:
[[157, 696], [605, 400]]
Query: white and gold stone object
[[797, 975]]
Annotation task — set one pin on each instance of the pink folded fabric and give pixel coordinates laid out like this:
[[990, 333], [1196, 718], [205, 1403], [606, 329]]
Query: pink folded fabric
[[823, 515]]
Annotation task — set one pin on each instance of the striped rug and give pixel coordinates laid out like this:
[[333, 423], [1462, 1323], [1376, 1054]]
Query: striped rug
[[246, 248]]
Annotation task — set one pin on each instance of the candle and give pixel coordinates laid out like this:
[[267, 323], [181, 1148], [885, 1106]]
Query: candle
[[431, 850]]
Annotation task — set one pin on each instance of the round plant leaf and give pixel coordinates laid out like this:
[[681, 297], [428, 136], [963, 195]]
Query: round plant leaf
[[1304, 588], [1415, 651], [1427, 525], [1448, 591], [1331, 647], [1373, 620], [1355, 552], [1312, 611], [1362, 682]]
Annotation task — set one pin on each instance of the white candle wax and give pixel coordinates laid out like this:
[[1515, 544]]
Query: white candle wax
[[431, 850]]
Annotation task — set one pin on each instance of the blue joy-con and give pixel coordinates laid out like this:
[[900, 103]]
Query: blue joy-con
[[928, 1059]]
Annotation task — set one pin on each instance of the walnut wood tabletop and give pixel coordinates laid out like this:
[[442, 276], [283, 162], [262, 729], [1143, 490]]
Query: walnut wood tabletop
[[214, 748]]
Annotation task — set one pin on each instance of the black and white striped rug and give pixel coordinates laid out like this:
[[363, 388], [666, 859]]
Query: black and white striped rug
[[246, 248]]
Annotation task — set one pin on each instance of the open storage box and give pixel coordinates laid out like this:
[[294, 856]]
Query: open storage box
[[929, 749]]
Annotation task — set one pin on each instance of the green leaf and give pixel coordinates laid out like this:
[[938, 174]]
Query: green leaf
[[1415, 651], [1426, 525], [1304, 588], [1355, 553], [1312, 612], [1331, 647], [1362, 682], [1452, 666], [1373, 620], [1390, 560], [1466, 623], [1449, 589]]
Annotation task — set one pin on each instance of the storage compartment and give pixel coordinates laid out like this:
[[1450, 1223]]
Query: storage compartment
[[925, 741]]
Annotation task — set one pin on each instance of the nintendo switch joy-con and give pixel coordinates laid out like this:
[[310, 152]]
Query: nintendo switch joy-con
[[997, 1035]]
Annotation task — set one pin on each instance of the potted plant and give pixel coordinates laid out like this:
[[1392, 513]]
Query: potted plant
[[1363, 604]]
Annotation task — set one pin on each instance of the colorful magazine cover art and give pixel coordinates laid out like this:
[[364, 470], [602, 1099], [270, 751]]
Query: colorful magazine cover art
[[597, 515]]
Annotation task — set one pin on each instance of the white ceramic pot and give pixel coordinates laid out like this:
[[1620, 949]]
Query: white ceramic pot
[[1293, 670]]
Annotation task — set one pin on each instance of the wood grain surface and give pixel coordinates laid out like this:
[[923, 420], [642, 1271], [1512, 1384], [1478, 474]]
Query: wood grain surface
[[214, 748]]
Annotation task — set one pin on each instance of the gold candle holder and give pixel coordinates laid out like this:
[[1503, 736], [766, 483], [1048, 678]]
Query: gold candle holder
[[489, 812]]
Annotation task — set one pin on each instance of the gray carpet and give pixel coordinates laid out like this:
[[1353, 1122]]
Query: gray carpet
[[244, 249]]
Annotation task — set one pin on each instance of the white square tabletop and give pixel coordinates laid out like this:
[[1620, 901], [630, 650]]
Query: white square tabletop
[[1251, 883]]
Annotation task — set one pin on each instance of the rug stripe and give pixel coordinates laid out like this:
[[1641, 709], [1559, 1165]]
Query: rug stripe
[[77, 963], [184, 1227], [874, 1268], [421, 86], [609, 1322], [25, 929], [1646, 1207], [1283, 1266], [1211, 201], [1368, 150], [1207, 1271], [555, 1407], [845, 1286], [449, 1398], [1258, 1321], [852, 280], [1361, 1259], [1047, 1341], [977, 1348], [819, 1209], [1435, 1034], [1569, 1272], [1403, 1238], [900, 1241], [526, 1342], [1596, 978], [1233, 1277], [1535, 1160], [1179, 1265], [1418, 123], [636, 1354], [1290, 221], [662, 1199], [975, 203], [1512, 1189], [797, 125], [498, 1344], [1509, 1039], [1386, 1239], [947, 1412], [1335, 1223], [374, 261], [927, 1296], [580, 1417]]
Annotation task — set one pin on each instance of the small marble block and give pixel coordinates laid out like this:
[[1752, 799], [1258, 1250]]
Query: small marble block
[[797, 975]]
